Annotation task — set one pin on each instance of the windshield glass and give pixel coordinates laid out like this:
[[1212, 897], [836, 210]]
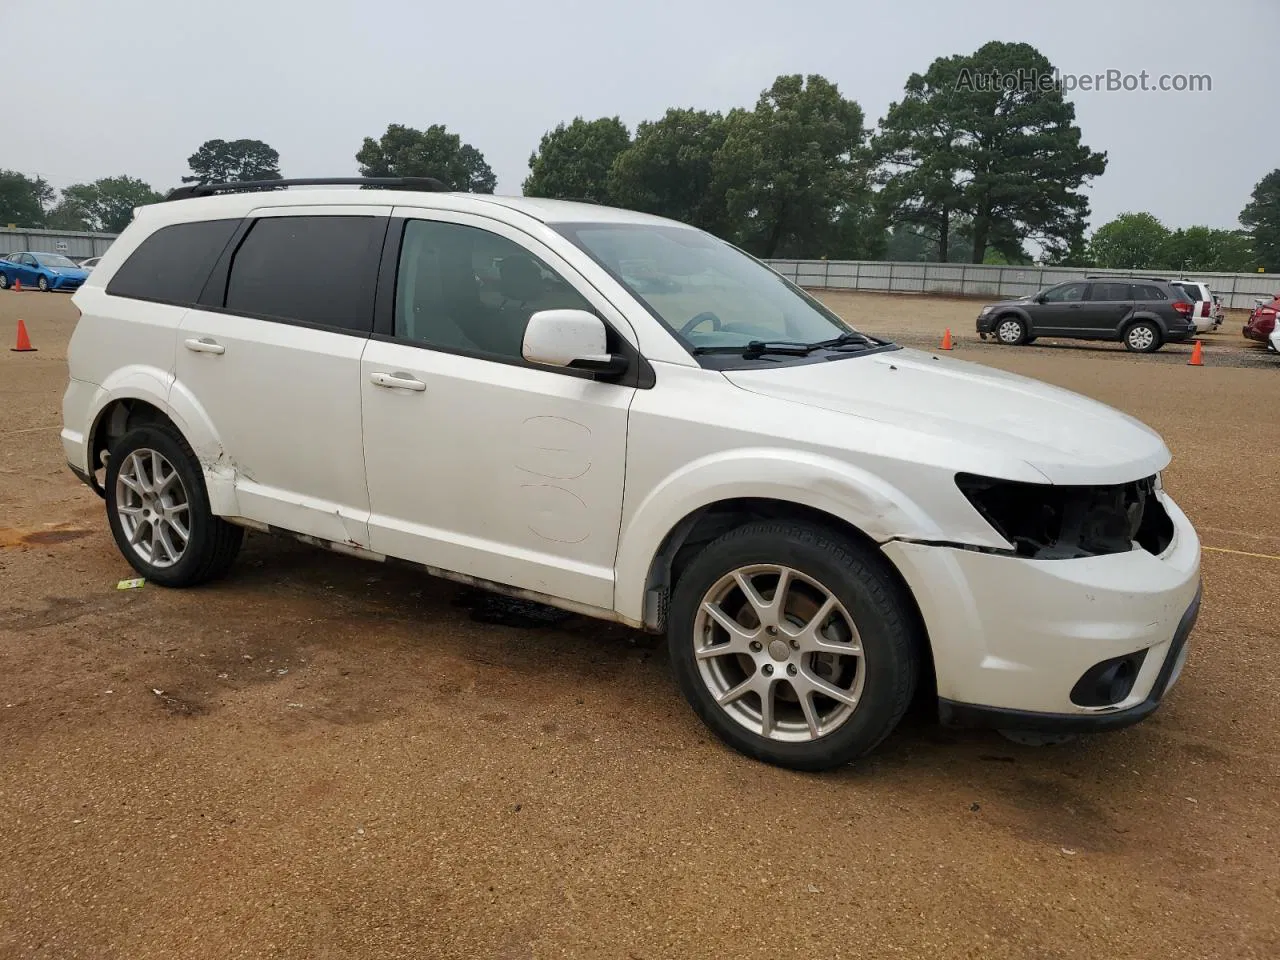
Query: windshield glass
[[706, 291], [53, 260]]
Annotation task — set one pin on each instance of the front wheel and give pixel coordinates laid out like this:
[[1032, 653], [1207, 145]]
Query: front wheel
[[794, 646], [1142, 337], [43, 284], [159, 510], [1011, 331]]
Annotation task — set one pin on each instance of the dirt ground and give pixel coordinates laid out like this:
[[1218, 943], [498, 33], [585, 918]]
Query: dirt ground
[[323, 758]]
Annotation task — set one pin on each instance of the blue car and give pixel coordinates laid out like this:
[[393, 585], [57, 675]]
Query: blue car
[[43, 271]]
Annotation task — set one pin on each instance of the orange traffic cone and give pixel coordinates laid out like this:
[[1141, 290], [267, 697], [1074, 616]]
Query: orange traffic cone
[[1197, 355], [17, 284], [946, 339], [24, 342]]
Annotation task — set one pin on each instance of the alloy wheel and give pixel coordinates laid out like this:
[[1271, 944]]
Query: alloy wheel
[[779, 653], [1009, 331], [1141, 338], [154, 509]]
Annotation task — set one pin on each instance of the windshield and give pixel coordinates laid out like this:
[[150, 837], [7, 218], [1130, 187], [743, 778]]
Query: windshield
[[52, 260], [709, 293]]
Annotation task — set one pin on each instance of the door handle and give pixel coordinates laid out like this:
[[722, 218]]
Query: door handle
[[401, 381], [206, 345]]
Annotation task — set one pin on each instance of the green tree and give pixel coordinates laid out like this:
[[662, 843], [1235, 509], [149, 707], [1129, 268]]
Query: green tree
[[1132, 241], [23, 199], [1207, 249], [223, 161], [669, 170], [1262, 217], [67, 215], [788, 167], [435, 152], [107, 205], [1009, 156], [573, 162], [918, 163]]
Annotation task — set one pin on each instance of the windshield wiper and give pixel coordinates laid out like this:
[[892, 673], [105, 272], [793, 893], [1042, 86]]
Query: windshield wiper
[[791, 348], [758, 347], [850, 339]]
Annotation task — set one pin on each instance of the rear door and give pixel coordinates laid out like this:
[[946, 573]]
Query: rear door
[[272, 355], [1110, 303], [1063, 310]]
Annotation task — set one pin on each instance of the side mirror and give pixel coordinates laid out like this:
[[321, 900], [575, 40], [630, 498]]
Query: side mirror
[[570, 338]]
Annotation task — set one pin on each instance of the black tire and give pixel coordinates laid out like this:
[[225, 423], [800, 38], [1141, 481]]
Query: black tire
[[43, 284], [4, 281], [1142, 337], [1011, 331], [876, 602], [213, 543]]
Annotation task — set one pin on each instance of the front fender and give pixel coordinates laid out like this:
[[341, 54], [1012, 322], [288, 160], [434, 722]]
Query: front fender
[[833, 486]]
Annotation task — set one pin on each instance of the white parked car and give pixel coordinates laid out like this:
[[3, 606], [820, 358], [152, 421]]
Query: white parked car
[[1204, 310], [90, 263], [635, 421]]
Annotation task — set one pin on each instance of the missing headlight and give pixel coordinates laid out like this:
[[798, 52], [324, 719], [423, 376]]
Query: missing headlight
[[1050, 522]]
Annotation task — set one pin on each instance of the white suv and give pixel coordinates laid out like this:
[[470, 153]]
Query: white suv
[[1204, 305], [625, 417]]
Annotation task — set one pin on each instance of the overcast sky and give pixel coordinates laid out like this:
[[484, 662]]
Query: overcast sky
[[105, 87]]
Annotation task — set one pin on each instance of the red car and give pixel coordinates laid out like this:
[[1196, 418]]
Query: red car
[[1262, 321]]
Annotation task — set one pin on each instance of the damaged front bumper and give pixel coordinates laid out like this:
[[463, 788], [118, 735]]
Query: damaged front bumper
[[1036, 644]]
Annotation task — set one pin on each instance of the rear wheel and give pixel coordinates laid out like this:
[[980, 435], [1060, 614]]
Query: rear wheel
[[1142, 337], [793, 646], [4, 281], [159, 510], [1011, 331]]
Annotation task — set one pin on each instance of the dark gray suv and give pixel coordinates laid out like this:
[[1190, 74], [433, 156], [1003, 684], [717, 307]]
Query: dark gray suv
[[1143, 314]]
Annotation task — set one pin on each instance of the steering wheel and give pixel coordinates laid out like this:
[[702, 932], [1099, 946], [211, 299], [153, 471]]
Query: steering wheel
[[700, 319]]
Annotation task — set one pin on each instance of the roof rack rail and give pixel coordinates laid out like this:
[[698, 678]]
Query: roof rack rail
[[427, 184]]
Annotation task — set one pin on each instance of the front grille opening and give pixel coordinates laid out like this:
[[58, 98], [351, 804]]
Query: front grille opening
[[1051, 522]]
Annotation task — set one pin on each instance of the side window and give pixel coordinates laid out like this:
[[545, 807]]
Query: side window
[[172, 265], [1067, 293], [28, 260], [464, 289], [1109, 291], [1149, 292], [316, 270]]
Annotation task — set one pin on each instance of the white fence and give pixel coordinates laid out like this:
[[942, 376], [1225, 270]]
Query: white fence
[[1237, 290], [54, 241]]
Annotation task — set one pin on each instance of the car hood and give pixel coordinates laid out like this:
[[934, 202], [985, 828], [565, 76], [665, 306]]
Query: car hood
[[1069, 438], [67, 271]]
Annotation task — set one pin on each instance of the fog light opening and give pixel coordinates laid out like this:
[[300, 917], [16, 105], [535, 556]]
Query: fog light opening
[[1109, 682]]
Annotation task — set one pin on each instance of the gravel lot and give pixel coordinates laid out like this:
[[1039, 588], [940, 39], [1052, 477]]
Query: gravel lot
[[323, 758]]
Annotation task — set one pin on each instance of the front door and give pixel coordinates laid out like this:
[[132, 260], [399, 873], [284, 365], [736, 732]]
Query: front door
[[479, 462], [1063, 310], [28, 270], [273, 358]]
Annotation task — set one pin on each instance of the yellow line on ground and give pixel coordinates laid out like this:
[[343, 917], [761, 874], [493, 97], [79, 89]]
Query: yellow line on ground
[[1241, 553]]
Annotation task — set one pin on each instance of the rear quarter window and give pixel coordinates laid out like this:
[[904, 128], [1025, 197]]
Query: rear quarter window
[[172, 265], [1148, 292]]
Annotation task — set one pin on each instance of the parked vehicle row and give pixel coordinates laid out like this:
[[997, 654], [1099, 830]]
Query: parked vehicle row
[[626, 417], [42, 271], [1143, 314]]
